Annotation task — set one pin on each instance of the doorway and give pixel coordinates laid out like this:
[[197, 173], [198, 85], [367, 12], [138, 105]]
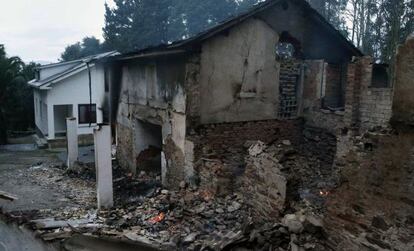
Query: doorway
[[148, 147], [60, 113]]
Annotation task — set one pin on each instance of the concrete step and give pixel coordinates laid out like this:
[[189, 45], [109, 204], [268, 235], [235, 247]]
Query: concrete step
[[41, 143]]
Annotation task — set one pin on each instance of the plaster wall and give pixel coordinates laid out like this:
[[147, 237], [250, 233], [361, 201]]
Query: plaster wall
[[239, 75], [153, 92]]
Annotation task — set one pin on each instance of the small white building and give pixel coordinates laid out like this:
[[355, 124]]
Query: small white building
[[70, 89]]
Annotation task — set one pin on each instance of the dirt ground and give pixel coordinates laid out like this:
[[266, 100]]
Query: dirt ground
[[35, 178]]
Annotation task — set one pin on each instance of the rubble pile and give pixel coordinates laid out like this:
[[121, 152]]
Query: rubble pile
[[307, 165], [263, 184], [374, 203], [187, 219], [289, 197]]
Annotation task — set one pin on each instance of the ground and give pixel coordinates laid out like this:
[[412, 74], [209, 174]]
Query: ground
[[27, 174], [364, 203], [12, 239]]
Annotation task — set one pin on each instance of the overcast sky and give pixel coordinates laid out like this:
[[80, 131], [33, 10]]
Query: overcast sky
[[39, 30]]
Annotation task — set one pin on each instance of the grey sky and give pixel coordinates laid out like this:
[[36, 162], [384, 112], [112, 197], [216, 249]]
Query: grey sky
[[39, 30]]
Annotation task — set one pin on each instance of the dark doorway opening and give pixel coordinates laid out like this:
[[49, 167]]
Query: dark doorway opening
[[148, 145]]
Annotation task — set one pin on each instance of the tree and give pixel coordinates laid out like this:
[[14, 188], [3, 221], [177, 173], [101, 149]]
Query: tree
[[378, 26], [72, 52], [332, 11], [16, 102], [89, 46], [135, 24]]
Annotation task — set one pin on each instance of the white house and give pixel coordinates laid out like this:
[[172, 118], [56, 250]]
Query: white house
[[70, 89]]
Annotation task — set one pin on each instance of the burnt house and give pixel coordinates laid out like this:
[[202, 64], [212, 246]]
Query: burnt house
[[179, 107]]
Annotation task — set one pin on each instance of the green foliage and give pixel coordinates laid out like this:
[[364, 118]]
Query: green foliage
[[89, 46], [332, 10], [135, 24], [16, 97]]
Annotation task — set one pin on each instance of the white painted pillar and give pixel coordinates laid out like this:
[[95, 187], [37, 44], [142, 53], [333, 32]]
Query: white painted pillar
[[72, 141], [50, 121], [103, 164], [75, 112]]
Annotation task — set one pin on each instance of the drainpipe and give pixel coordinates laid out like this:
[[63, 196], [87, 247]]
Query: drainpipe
[[90, 92]]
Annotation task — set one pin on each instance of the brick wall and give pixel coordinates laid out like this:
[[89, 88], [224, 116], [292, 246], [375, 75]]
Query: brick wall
[[288, 84], [366, 107], [403, 107], [312, 104], [376, 107], [352, 94], [192, 86]]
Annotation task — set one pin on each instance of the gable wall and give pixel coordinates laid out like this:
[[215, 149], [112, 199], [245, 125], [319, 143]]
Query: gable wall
[[315, 41], [239, 73]]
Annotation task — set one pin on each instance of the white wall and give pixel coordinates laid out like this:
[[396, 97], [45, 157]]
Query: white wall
[[40, 107], [74, 91]]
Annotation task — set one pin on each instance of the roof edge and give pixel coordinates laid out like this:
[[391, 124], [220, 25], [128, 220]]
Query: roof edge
[[81, 60]]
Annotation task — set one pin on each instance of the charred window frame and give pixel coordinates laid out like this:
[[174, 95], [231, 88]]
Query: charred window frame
[[288, 47], [87, 113], [285, 50]]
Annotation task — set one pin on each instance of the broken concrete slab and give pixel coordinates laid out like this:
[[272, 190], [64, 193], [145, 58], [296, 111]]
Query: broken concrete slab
[[52, 223], [7, 196]]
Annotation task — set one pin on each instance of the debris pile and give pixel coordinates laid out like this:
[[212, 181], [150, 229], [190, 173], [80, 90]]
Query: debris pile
[[374, 203], [187, 219], [263, 183]]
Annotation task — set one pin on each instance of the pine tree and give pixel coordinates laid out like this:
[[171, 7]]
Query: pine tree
[[135, 24]]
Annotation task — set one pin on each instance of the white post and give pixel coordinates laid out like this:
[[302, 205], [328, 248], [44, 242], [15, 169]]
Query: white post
[[72, 141], [50, 121], [103, 164]]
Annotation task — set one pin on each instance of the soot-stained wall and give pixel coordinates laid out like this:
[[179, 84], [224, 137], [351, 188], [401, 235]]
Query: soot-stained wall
[[315, 41], [239, 75], [152, 91]]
